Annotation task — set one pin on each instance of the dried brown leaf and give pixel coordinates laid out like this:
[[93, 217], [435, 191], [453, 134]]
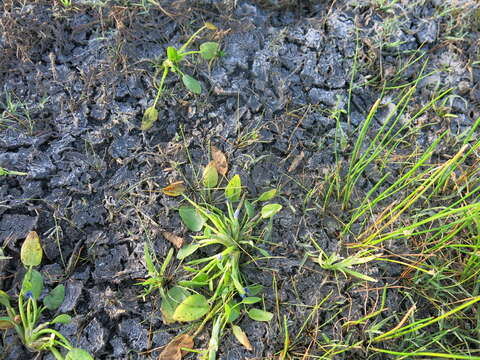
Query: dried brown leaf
[[296, 162], [174, 189], [177, 241], [220, 161], [173, 350]]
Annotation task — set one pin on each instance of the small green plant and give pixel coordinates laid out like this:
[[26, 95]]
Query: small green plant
[[4, 172], [38, 337], [66, 3], [335, 262], [231, 231], [208, 50]]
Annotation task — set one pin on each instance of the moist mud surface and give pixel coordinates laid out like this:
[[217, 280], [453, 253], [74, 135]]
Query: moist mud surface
[[74, 85]]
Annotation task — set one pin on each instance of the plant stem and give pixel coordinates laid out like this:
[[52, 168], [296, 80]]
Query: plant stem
[[184, 46], [160, 89]]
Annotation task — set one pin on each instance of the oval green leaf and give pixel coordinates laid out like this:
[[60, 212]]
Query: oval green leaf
[[260, 315], [31, 252], [271, 209], [191, 84], [208, 50], [187, 250], [267, 195], [4, 299], [191, 218], [234, 189], [232, 311], [61, 319], [170, 302], [149, 117], [55, 298], [210, 175], [251, 300], [78, 354], [192, 308]]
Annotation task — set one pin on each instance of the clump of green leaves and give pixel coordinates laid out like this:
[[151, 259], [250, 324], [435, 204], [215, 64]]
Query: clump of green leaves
[[337, 263], [207, 51], [215, 287], [25, 319]]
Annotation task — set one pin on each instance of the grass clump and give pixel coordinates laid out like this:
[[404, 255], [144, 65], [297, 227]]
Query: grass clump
[[425, 201], [25, 317], [214, 287]]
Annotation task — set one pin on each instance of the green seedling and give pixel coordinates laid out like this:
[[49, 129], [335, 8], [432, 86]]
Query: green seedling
[[335, 262], [4, 172], [37, 336], [232, 231], [207, 51]]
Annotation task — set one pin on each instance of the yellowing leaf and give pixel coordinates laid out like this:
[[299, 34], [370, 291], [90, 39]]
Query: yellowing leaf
[[173, 351], [177, 241], [241, 337], [269, 210], [191, 309], [210, 175], [149, 117], [174, 189], [210, 26], [31, 252], [220, 161]]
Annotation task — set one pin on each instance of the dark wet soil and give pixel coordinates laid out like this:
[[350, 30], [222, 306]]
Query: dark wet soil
[[74, 85]]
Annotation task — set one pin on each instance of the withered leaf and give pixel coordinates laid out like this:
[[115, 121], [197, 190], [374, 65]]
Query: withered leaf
[[173, 350], [296, 162], [174, 189], [241, 337], [220, 161], [177, 241]]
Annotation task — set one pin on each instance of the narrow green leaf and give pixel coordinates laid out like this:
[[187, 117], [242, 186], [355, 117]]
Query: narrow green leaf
[[172, 299], [208, 50], [267, 195], [187, 250], [31, 251], [234, 189], [192, 308], [61, 319], [148, 260], [260, 315], [210, 175], [359, 275], [191, 218], [251, 300], [270, 210], [191, 84], [55, 298], [149, 117], [78, 354]]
